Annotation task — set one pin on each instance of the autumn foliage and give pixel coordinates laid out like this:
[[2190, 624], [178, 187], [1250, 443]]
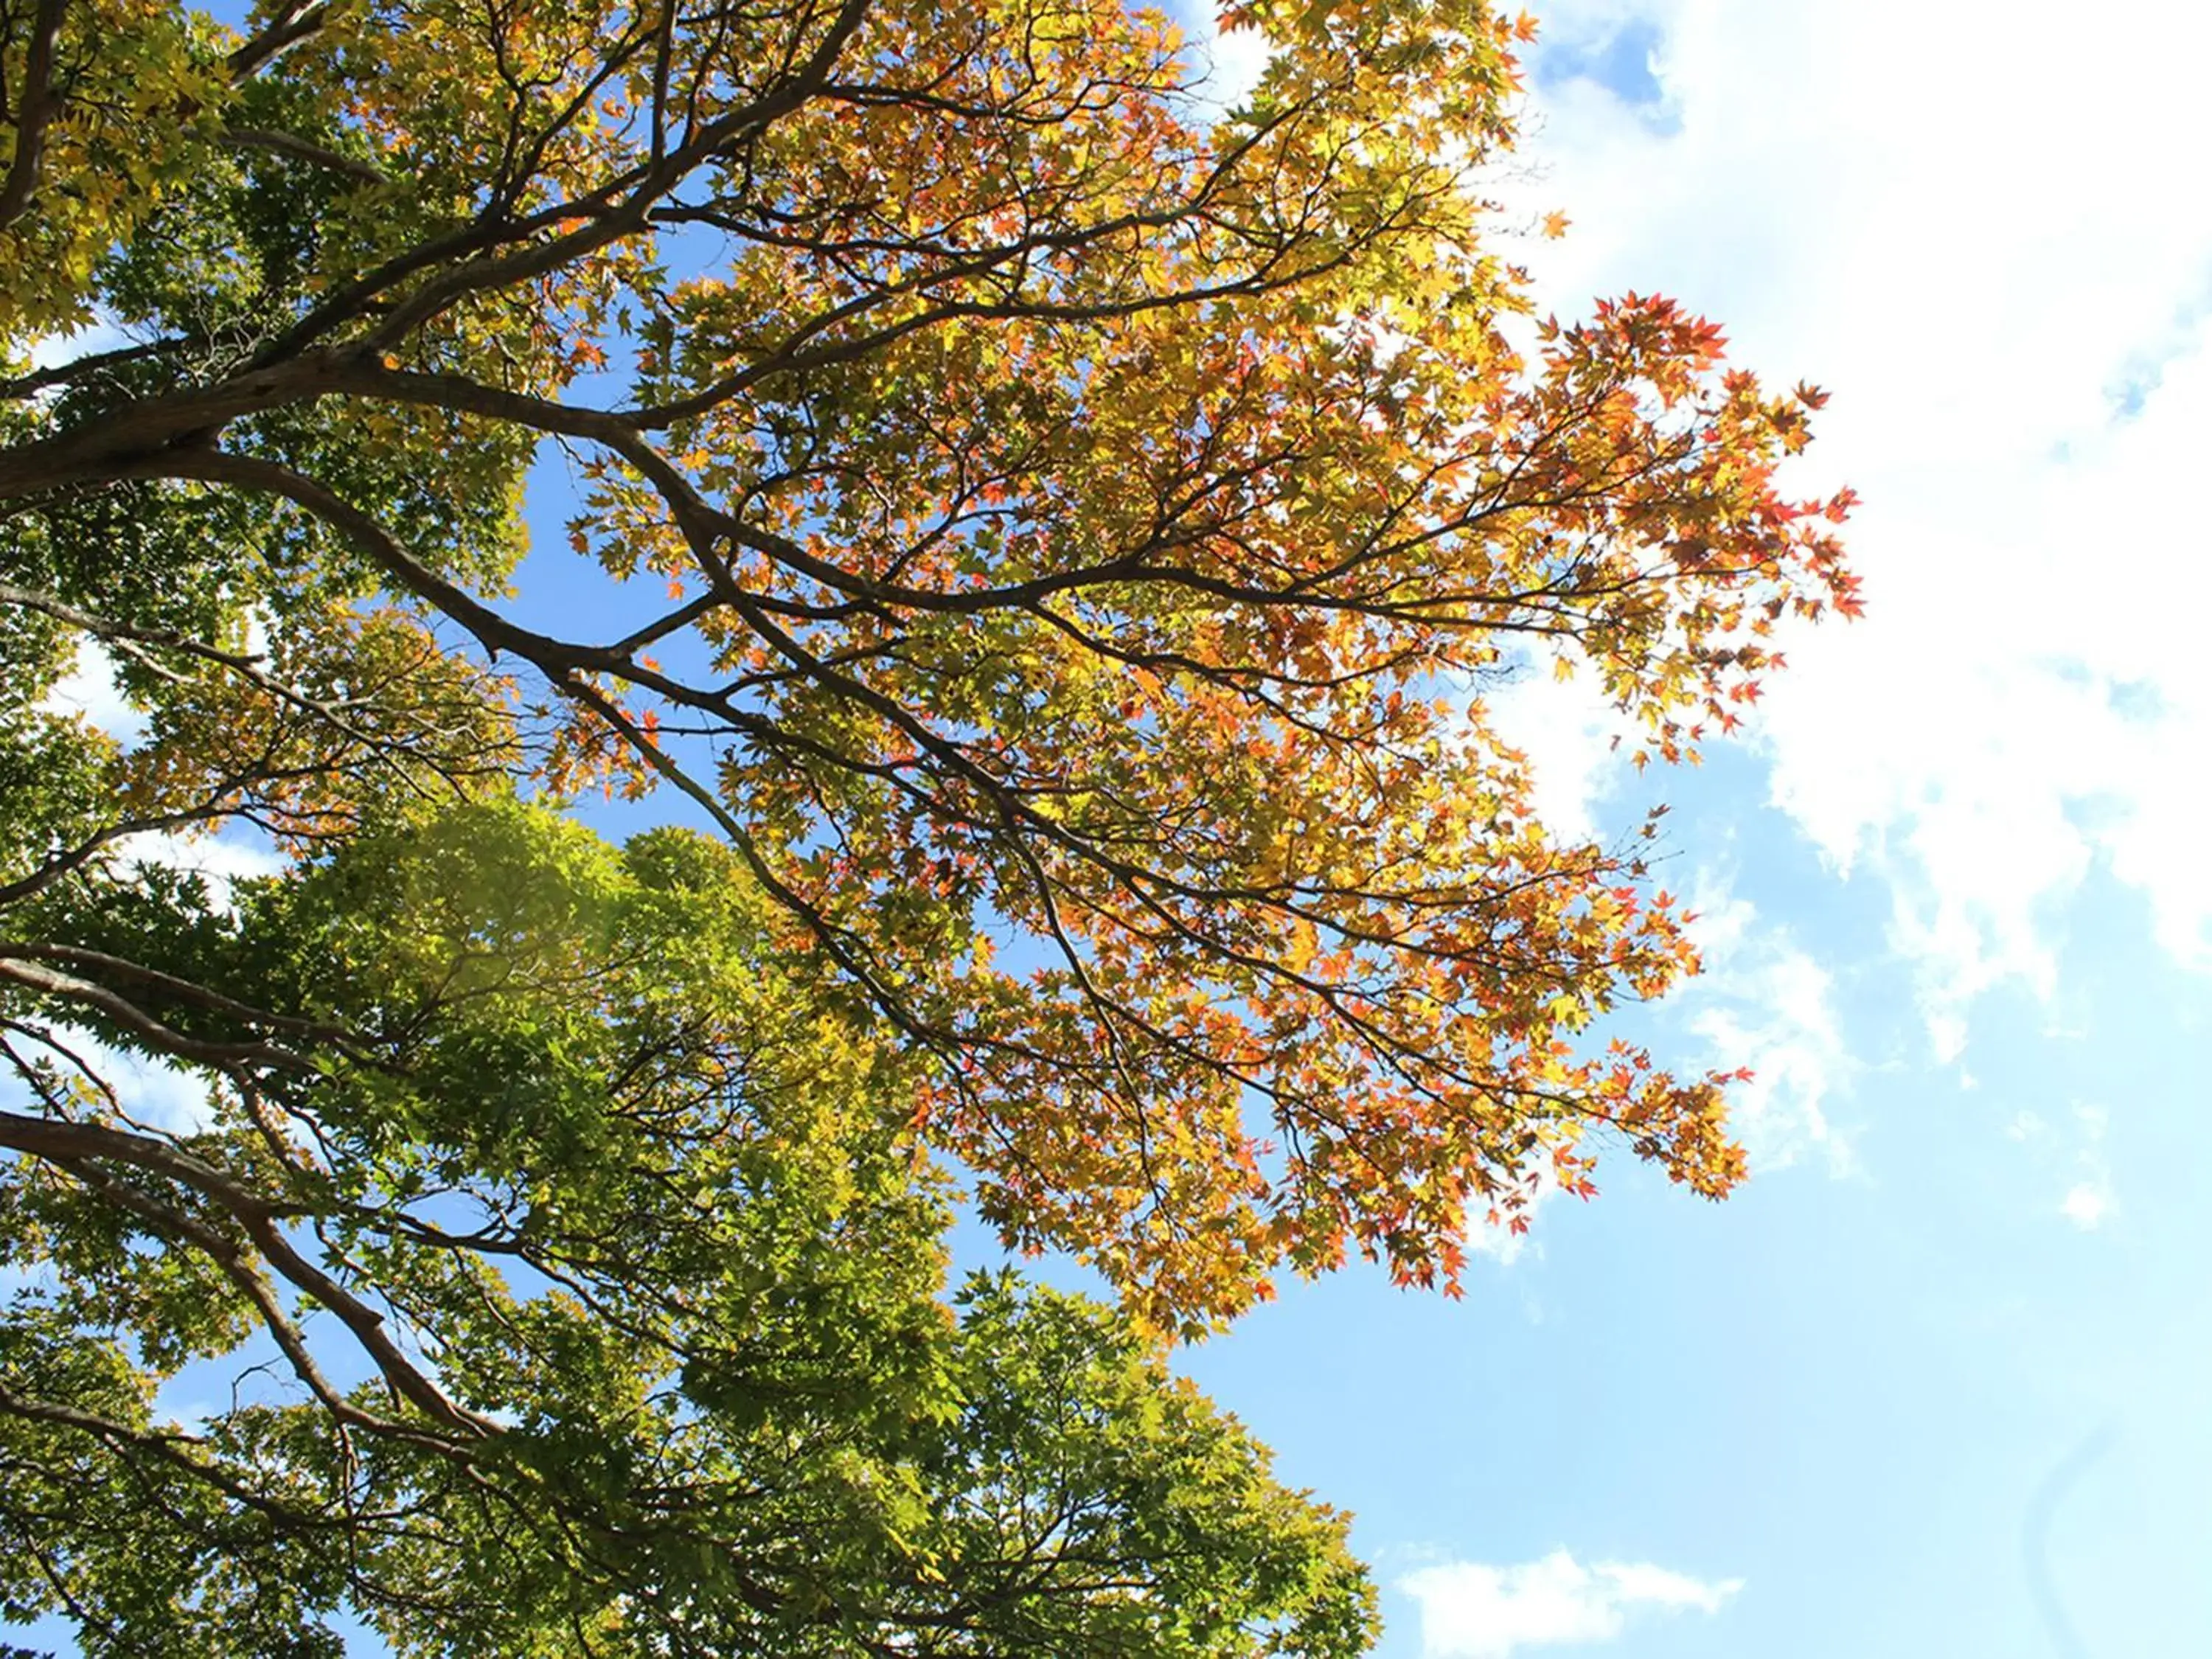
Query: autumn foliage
[[1072, 527], [1056, 525]]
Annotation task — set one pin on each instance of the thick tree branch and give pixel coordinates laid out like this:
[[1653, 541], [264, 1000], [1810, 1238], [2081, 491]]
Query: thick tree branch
[[292, 24], [77, 369], [198, 996], [34, 111], [140, 1024]]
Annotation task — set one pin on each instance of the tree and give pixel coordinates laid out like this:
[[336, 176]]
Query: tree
[[608, 1317], [1083, 519], [1057, 531]]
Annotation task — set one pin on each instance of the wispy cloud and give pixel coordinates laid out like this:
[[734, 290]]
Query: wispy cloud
[[52, 350], [2079, 1159], [152, 1092], [1472, 1610], [1765, 1002], [2087, 1204], [2090, 1202], [1230, 64], [1571, 736], [218, 859]]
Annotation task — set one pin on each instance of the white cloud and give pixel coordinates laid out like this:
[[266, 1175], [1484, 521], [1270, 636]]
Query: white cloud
[[1500, 1241], [2014, 314], [1470, 1610], [219, 858], [2090, 1202], [1567, 730], [89, 691], [2078, 1159], [153, 1092], [1230, 64], [1764, 1002], [1238, 59], [52, 350], [2087, 1204], [161, 1095]]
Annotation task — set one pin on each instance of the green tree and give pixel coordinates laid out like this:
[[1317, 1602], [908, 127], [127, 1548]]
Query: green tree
[[560, 1292]]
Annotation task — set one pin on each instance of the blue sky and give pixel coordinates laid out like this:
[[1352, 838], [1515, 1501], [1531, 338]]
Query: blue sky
[[1934, 1383]]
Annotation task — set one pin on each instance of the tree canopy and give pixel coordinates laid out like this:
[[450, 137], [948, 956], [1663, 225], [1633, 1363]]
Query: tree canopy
[[1077, 514], [1055, 531], [612, 1318]]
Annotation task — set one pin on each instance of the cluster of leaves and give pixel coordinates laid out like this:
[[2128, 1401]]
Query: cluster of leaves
[[1064, 530], [116, 98]]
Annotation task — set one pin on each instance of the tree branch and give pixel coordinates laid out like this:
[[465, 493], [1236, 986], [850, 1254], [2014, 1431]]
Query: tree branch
[[144, 1026], [293, 24], [302, 150], [40, 104], [74, 1145]]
